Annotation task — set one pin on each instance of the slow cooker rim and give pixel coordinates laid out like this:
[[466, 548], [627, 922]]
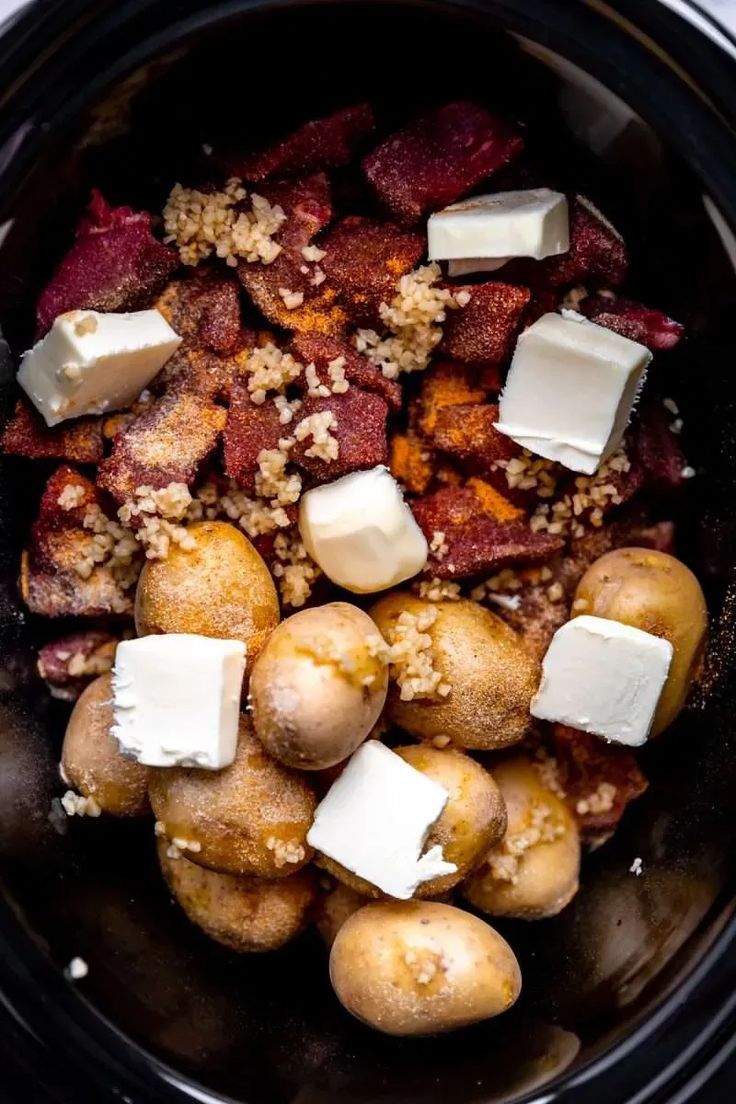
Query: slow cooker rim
[[29, 26]]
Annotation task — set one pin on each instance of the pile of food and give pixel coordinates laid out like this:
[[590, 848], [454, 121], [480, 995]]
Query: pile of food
[[360, 507]]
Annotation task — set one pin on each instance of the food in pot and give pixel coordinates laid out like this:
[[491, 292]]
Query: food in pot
[[334, 469]]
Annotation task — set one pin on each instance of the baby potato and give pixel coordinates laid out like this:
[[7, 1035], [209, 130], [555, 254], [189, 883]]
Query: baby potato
[[221, 588], [473, 819], [91, 759], [491, 676], [419, 968], [317, 689], [246, 914], [533, 873], [250, 818], [335, 907], [652, 591]]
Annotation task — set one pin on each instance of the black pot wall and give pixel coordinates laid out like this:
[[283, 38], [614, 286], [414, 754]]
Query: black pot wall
[[604, 983]]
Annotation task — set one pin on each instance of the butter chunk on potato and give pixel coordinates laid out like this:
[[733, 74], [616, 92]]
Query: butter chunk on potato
[[653, 591], [420, 968]]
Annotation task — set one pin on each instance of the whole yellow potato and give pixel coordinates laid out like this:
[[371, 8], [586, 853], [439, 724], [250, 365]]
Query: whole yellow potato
[[222, 588], [652, 591], [335, 906], [473, 819], [91, 759], [534, 871], [317, 688], [419, 968], [250, 818], [490, 676], [246, 914]]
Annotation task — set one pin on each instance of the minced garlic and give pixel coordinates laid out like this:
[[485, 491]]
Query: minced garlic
[[202, 223]]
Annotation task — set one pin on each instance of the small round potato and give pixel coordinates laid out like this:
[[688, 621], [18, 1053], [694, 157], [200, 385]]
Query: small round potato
[[250, 818], [533, 873], [657, 593], [491, 676], [474, 818], [246, 914], [419, 968], [334, 907], [92, 761], [221, 588], [317, 689]]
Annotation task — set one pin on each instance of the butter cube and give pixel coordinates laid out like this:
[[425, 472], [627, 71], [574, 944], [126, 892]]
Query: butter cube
[[89, 363], [570, 390], [492, 229], [375, 820], [603, 677], [176, 700], [361, 533]]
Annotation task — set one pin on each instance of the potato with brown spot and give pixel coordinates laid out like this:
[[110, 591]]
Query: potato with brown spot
[[653, 591], [474, 818], [222, 588], [245, 914], [334, 907], [91, 759], [534, 871], [317, 689], [251, 818], [420, 968], [491, 676]]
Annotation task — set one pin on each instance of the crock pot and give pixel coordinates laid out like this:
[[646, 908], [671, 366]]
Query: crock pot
[[630, 994]]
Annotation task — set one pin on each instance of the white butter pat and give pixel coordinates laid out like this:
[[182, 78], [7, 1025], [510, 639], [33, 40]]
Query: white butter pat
[[176, 700], [90, 362], [603, 677], [570, 390], [361, 533], [375, 821], [491, 229]]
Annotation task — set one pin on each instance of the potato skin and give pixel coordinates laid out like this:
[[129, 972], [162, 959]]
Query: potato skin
[[653, 591], [245, 914], [547, 875], [251, 818], [420, 968], [222, 588], [493, 677], [333, 908], [92, 761], [474, 818], [310, 708]]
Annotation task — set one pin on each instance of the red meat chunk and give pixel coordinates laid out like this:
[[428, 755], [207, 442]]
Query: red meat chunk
[[320, 351], [438, 158], [597, 250], [467, 432], [26, 434], [657, 451], [50, 583], [168, 443], [477, 543], [114, 264], [324, 143], [249, 429], [649, 327], [204, 309], [360, 432], [364, 261], [584, 762], [308, 207], [484, 331], [69, 664]]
